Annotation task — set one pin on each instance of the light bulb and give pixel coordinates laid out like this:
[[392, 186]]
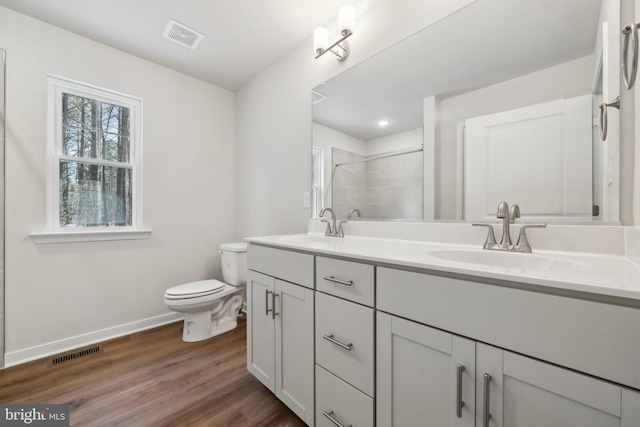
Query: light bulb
[[320, 39], [347, 19]]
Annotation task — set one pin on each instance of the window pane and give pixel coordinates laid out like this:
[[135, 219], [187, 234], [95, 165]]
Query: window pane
[[78, 111], [79, 143], [115, 148], [114, 119], [94, 196]]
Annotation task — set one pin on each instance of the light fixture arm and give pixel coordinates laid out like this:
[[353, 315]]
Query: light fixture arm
[[342, 45]]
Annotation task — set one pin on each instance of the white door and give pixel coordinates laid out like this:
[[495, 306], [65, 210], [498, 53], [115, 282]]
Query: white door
[[417, 375], [260, 328], [294, 348], [524, 392], [539, 157]]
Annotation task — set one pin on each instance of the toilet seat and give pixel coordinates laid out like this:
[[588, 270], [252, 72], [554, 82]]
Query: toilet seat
[[193, 290]]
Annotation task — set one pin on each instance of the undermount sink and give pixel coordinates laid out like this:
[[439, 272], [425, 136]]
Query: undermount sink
[[511, 260]]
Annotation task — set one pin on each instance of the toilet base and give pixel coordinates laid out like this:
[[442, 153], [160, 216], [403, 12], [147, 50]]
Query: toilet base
[[206, 324]]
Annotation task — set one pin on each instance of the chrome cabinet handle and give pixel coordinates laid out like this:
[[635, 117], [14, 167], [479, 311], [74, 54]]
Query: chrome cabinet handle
[[459, 402], [332, 419], [604, 118], [341, 282], [266, 302], [273, 304], [630, 31], [485, 414], [330, 338]]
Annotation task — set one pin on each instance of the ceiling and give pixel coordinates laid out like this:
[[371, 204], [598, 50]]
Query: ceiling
[[242, 37]]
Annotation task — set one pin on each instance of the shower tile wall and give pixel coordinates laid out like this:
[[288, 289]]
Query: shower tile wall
[[388, 188], [349, 190]]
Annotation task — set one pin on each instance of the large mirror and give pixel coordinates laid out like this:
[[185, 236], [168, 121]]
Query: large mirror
[[498, 101]]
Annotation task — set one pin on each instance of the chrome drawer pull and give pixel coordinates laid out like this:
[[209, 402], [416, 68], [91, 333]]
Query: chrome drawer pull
[[338, 281], [338, 343], [273, 305], [486, 416], [333, 420], [459, 402], [266, 302]]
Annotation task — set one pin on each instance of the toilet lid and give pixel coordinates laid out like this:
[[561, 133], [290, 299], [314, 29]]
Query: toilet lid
[[195, 289]]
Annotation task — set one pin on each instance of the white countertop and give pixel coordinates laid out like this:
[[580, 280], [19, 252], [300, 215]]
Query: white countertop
[[599, 274]]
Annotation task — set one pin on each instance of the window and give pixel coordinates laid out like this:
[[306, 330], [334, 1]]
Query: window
[[317, 185], [94, 158]]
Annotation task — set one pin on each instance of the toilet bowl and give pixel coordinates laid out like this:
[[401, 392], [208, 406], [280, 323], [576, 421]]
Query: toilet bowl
[[211, 307]]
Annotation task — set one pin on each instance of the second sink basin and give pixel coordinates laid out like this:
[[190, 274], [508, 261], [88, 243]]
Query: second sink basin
[[510, 260]]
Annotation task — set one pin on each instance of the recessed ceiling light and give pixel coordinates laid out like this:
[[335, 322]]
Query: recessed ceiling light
[[383, 123]]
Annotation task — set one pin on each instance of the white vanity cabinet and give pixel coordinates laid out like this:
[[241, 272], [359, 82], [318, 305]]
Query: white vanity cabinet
[[430, 377], [516, 391], [280, 326], [417, 374], [345, 343], [352, 341], [419, 370]]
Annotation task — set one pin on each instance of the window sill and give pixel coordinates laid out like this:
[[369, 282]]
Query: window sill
[[88, 236]]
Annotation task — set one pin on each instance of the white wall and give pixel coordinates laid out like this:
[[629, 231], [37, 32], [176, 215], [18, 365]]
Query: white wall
[[61, 295], [273, 115], [398, 141]]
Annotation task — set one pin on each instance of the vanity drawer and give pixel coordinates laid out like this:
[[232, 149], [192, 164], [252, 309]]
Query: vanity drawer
[[341, 324], [294, 267], [337, 399], [345, 279]]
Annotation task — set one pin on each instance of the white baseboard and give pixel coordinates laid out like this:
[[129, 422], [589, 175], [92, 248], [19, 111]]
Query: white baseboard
[[40, 351]]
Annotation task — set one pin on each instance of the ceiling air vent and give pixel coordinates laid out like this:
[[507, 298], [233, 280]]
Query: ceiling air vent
[[183, 35]]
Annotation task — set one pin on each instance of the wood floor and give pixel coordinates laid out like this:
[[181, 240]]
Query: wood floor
[[153, 378]]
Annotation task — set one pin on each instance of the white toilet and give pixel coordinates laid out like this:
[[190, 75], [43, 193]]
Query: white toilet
[[210, 306]]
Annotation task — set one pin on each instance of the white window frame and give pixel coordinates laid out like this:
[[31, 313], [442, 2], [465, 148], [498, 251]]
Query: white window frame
[[55, 233], [317, 181]]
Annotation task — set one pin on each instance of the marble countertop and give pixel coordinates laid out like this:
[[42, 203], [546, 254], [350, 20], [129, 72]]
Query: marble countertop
[[611, 275]]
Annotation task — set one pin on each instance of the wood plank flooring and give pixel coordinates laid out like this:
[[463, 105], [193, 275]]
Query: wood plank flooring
[[153, 378]]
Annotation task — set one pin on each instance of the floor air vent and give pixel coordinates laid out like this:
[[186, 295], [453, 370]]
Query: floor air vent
[[75, 355]]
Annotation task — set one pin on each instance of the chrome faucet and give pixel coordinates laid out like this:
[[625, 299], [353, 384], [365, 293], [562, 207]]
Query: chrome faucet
[[331, 226], [340, 232], [503, 214], [506, 214], [352, 211]]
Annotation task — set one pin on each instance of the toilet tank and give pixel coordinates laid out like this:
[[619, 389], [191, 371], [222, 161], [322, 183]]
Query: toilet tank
[[234, 263]]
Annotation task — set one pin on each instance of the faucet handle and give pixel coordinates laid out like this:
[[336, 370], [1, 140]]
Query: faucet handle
[[514, 212], [328, 231], [491, 238], [523, 243], [340, 231]]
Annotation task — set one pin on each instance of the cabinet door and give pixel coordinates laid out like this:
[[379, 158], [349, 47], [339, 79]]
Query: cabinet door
[[417, 375], [524, 392], [260, 328], [294, 348]]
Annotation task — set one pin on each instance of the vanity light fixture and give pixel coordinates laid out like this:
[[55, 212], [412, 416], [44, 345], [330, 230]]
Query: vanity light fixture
[[346, 25]]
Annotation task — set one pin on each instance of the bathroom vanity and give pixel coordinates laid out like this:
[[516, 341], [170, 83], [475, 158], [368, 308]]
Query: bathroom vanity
[[410, 331]]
